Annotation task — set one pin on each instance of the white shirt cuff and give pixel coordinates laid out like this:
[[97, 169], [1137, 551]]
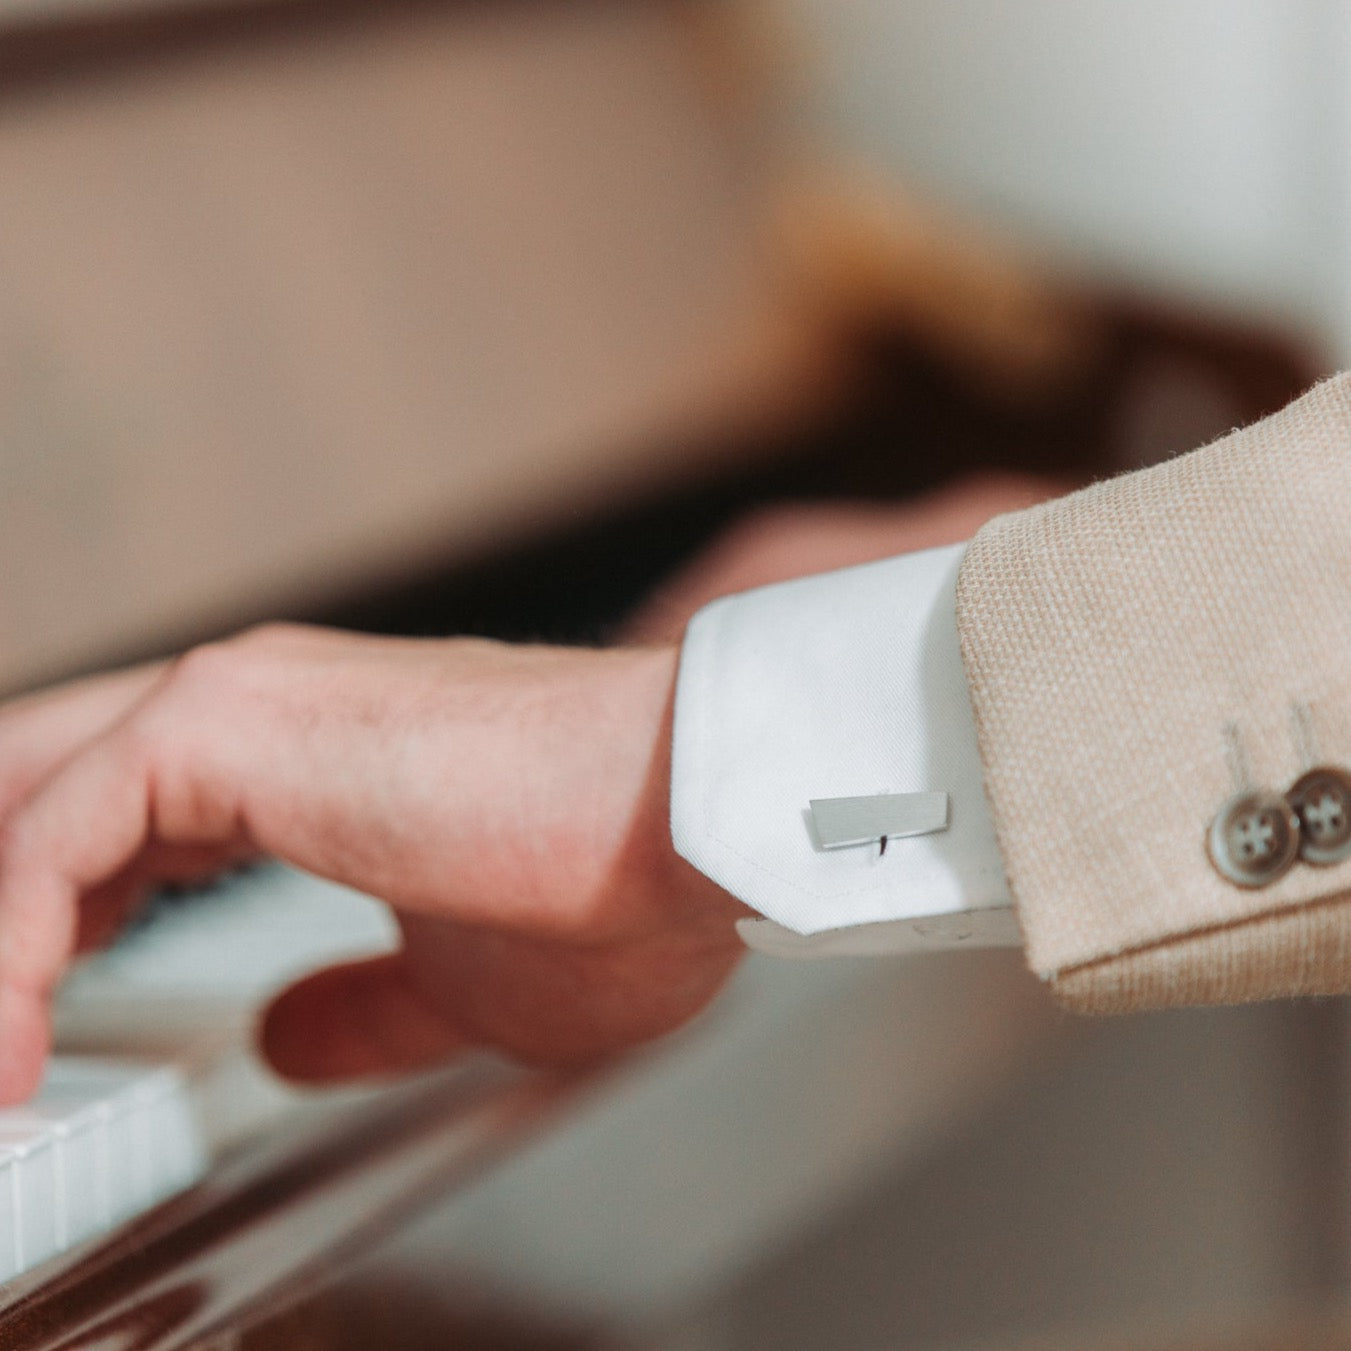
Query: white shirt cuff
[[841, 685]]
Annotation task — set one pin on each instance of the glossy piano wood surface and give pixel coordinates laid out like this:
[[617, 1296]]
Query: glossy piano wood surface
[[281, 1217]]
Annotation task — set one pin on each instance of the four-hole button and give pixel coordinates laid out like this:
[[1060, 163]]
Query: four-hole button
[[1254, 838], [1321, 799]]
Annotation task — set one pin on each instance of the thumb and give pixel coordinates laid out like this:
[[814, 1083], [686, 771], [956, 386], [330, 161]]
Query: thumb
[[362, 1018]]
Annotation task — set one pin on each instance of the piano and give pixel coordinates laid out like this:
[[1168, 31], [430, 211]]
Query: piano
[[162, 1081], [160, 1154]]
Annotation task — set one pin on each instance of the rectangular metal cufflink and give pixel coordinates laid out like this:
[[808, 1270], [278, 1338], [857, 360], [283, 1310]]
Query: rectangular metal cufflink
[[841, 821]]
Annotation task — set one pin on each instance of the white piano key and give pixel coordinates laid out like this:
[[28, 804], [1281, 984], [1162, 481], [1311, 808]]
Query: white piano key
[[101, 1142], [82, 1090], [169, 1151], [176, 1142], [130, 1186], [56, 1124], [11, 1250], [85, 1194], [35, 1189], [79, 1096], [172, 1006], [240, 941]]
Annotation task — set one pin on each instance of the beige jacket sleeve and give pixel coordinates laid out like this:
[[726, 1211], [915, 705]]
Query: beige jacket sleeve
[[1154, 662]]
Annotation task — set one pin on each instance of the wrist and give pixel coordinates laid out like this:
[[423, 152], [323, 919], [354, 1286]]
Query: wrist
[[649, 673]]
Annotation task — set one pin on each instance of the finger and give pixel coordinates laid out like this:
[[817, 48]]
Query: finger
[[106, 908], [364, 1018], [83, 828], [40, 732], [25, 1040]]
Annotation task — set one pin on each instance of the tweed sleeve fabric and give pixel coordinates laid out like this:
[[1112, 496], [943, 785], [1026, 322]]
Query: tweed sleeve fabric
[[1138, 652]]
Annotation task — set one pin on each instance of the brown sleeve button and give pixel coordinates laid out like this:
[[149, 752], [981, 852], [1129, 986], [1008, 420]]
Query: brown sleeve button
[[1254, 838], [1322, 801]]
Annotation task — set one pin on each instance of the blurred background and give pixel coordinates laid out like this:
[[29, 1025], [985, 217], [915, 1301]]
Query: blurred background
[[491, 316]]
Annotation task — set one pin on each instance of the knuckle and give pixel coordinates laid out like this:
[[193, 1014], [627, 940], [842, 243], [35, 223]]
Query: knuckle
[[213, 671], [223, 662], [206, 667], [272, 634], [239, 662], [191, 687]]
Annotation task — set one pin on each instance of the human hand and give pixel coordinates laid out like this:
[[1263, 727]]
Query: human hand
[[510, 803], [781, 542]]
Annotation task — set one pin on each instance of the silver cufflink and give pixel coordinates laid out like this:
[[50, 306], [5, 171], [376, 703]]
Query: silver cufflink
[[843, 821]]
